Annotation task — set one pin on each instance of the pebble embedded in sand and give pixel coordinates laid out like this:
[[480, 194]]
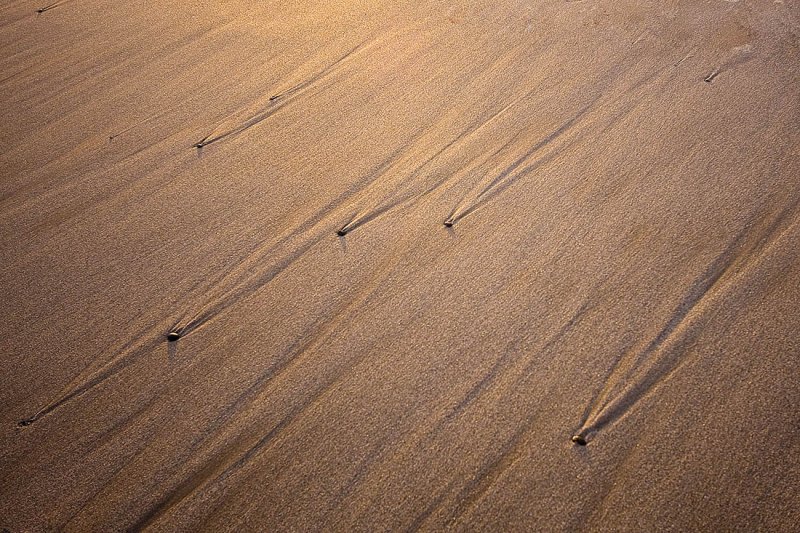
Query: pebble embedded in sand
[[172, 336], [341, 233], [579, 440], [448, 223], [25, 423]]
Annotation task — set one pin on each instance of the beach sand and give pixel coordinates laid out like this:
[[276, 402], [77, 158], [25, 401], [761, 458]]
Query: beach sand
[[512, 266]]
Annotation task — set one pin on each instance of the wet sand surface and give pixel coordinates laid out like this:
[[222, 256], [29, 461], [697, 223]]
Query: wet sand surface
[[410, 252]]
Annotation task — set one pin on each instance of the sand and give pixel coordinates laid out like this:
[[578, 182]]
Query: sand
[[410, 252]]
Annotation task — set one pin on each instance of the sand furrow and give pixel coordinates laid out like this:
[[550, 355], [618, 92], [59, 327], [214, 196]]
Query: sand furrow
[[636, 374]]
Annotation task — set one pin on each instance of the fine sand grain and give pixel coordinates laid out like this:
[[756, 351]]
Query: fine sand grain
[[368, 266]]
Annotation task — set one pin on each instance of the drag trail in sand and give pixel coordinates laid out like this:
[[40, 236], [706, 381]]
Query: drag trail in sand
[[378, 266]]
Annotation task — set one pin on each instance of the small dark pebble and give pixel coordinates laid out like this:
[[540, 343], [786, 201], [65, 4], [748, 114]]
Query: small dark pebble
[[25, 423], [448, 223], [342, 232], [172, 336], [580, 440]]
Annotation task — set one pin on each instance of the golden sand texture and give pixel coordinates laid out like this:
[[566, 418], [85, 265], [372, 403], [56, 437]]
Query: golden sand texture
[[485, 265]]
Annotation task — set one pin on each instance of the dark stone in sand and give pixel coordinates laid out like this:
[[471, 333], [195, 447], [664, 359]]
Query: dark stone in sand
[[172, 336], [448, 223], [579, 440], [342, 232], [26, 422]]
